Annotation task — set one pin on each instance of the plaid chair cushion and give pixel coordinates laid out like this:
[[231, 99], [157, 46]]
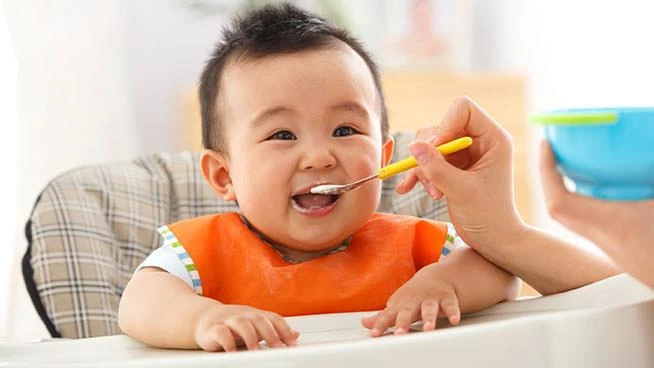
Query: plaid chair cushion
[[91, 227]]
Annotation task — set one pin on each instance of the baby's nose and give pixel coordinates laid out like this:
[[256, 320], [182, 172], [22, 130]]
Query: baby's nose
[[318, 159], [325, 166]]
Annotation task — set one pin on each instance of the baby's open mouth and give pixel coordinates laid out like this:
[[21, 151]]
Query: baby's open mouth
[[310, 201]]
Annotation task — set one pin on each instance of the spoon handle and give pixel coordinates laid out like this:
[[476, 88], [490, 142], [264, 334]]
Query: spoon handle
[[410, 162]]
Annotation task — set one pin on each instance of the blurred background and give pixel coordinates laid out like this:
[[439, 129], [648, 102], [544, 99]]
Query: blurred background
[[84, 82]]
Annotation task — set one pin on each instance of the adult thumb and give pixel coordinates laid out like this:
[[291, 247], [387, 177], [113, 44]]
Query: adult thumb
[[435, 167]]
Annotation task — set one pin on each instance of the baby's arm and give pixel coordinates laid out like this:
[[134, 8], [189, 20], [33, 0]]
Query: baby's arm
[[159, 309], [462, 282]]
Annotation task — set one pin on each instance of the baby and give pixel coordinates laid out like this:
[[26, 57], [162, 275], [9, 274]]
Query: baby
[[290, 102]]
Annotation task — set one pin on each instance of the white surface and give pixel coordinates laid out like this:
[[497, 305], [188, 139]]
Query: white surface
[[611, 324], [8, 157]]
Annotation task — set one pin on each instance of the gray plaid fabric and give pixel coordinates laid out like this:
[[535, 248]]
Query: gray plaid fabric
[[91, 227]]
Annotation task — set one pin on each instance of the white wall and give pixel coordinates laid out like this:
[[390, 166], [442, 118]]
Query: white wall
[[72, 108], [166, 44], [8, 159], [97, 81]]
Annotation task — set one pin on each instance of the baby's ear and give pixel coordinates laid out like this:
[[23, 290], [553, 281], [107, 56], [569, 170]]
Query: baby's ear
[[215, 170], [387, 150]]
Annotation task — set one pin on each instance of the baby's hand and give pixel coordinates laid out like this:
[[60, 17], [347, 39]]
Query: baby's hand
[[426, 296], [224, 327]]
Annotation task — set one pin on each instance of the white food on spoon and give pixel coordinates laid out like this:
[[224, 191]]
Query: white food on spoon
[[324, 189]]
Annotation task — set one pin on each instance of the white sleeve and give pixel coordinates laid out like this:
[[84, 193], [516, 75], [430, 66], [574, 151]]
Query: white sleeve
[[167, 259], [452, 241]]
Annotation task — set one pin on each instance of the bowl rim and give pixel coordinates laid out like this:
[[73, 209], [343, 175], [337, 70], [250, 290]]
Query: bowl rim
[[589, 116]]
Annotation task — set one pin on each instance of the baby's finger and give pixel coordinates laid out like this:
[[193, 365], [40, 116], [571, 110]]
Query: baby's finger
[[429, 313], [266, 330], [407, 314], [284, 331], [220, 337], [243, 327], [450, 307], [369, 321], [385, 320]]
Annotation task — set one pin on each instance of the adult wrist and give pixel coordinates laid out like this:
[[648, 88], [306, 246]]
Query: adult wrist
[[507, 245]]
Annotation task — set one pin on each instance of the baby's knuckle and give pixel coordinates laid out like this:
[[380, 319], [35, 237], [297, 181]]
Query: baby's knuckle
[[384, 319], [407, 307], [429, 303], [273, 315], [236, 319], [258, 317], [219, 329], [450, 303]]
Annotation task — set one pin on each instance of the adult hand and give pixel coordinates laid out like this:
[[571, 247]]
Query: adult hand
[[478, 184], [478, 181], [621, 229]]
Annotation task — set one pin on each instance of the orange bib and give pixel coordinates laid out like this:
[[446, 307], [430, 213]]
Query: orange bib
[[236, 267]]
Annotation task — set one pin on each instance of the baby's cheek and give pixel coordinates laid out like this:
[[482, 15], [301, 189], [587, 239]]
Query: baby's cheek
[[367, 166]]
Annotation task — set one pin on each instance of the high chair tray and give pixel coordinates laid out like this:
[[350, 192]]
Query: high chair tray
[[606, 324]]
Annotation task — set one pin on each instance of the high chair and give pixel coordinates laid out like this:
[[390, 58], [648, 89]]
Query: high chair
[[92, 226]]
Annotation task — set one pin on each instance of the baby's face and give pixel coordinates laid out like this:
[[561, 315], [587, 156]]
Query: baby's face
[[295, 121]]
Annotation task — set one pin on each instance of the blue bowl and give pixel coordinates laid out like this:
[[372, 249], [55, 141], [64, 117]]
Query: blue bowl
[[608, 153]]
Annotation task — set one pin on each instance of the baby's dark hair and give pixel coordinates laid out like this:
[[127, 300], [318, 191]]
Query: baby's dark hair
[[267, 31]]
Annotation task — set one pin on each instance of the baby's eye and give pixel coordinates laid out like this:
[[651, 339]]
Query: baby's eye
[[344, 131], [282, 135]]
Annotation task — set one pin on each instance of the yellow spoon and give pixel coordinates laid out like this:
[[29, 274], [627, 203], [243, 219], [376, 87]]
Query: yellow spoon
[[392, 169]]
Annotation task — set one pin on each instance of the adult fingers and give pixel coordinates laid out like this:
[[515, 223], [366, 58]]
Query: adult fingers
[[577, 212], [412, 177], [464, 115], [408, 182], [433, 192], [436, 170], [459, 159], [552, 182]]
